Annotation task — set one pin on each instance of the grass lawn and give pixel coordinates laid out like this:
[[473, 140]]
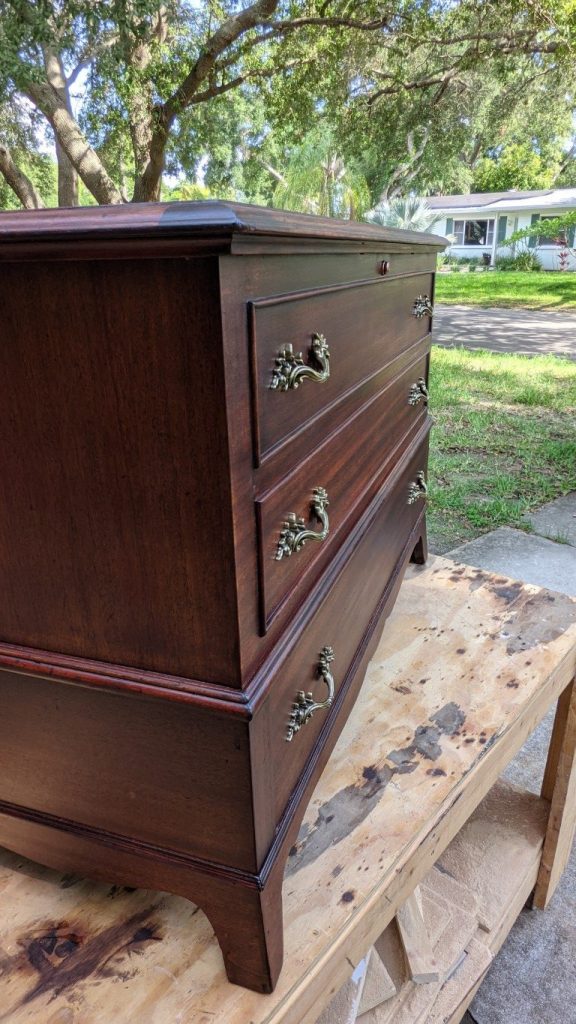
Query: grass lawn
[[504, 440], [540, 290]]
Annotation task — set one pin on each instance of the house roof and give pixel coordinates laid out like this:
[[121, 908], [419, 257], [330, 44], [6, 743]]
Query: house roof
[[479, 199], [561, 198]]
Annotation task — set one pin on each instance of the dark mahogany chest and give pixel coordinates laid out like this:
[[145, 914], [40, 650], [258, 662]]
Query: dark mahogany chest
[[213, 448]]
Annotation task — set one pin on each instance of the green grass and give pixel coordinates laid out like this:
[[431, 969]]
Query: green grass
[[540, 290], [503, 443]]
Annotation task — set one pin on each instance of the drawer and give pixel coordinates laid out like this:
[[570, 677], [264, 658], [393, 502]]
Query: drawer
[[364, 326], [342, 623], [348, 467]]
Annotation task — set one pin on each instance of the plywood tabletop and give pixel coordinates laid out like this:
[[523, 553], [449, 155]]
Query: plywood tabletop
[[467, 666]]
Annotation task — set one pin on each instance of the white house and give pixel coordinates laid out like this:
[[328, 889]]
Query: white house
[[480, 222]]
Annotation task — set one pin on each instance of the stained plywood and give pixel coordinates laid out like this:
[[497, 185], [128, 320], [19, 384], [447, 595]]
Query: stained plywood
[[468, 664]]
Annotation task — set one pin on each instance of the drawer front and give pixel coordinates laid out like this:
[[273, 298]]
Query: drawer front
[[344, 334], [348, 468], [340, 623]]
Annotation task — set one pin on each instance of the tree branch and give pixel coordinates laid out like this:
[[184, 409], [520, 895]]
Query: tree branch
[[227, 33], [77, 148], [469, 37], [272, 170], [19, 182], [187, 93], [90, 55], [442, 77], [568, 157], [67, 175], [334, 22], [407, 170], [233, 83], [422, 83], [164, 114]]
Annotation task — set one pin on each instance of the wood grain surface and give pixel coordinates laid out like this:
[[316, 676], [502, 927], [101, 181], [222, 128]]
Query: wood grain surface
[[350, 465], [366, 324], [115, 531]]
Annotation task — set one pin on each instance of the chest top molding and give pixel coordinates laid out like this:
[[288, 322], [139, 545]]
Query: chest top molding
[[189, 229]]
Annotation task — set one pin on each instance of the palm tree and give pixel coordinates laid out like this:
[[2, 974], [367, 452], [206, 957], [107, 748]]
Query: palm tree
[[317, 180], [411, 213]]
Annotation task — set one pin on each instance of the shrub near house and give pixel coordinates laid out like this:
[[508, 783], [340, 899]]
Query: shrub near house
[[559, 230], [525, 260]]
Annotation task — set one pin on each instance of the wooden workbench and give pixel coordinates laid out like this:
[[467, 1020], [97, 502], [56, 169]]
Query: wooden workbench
[[468, 665]]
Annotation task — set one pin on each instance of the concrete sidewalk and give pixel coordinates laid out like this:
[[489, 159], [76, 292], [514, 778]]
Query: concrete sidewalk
[[532, 980], [527, 331]]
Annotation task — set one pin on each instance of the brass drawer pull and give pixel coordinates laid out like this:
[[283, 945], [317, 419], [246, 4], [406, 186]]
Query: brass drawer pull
[[422, 306], [290, 369], [295, 533], [418, 392], [418, 488], [304, 706]]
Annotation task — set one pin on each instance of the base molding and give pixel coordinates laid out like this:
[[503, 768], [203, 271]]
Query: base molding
[[115, 841], [243, 914]]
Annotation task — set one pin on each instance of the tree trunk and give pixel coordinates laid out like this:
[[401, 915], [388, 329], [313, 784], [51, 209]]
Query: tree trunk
[[148, 182], [67, 175], [75, 145], [408, 170], [142, 134], [144, 117], [20, 184]]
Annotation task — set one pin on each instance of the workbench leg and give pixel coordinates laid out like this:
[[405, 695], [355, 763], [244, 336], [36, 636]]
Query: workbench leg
[[420, 553], [559, 786]]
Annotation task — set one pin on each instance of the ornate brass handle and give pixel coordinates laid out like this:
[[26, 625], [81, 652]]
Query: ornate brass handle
[[295, 533], [304, 705], [418, 392], [418, 488], [422, 306], [290, 369]]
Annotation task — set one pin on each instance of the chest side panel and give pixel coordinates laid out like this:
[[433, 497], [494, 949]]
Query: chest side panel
[[114, 494]]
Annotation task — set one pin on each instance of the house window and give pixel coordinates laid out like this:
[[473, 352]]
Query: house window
[[474, 232], [547, 240]]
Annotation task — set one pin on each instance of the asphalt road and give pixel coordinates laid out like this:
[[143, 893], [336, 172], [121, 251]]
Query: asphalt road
[[527, 331]]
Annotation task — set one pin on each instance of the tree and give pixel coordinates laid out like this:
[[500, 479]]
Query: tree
[[517, 166], [146, 68], [567, 173], [121, 86], [317, 180], [412, 214], [430, 139]]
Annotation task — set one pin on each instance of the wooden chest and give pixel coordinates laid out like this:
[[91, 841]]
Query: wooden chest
[[213, 448]]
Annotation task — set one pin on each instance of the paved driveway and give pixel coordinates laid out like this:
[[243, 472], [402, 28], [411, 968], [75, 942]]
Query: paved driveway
[[506, 330]]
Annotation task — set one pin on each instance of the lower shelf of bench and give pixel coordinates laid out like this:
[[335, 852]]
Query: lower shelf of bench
[[471, 900], [468, 665]]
